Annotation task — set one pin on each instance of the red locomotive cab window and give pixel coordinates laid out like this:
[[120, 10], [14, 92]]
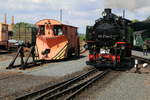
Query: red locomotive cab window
[[58, 30]]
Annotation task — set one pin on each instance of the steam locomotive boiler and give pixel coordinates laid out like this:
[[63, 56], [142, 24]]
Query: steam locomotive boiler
[[108, 40]]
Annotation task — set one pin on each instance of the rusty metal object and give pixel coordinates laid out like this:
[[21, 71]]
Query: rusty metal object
[[21, 53]]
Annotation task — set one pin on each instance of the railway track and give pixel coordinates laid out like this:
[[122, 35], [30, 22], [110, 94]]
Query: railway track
[[65, 90]]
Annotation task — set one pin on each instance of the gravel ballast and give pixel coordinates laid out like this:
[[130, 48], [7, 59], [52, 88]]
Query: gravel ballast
[[124, 86], [15, 82]]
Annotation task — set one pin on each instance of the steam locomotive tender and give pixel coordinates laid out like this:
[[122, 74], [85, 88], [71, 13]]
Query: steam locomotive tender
[[108, 41]]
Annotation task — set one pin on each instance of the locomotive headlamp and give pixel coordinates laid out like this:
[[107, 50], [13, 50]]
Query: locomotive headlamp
[[116, 18], [122, 47], [46, 52], [104, 13]]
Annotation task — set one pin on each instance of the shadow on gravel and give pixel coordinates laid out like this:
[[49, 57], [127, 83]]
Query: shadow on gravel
[[65, 60], [122, 68], [4, 52], [43, 62]]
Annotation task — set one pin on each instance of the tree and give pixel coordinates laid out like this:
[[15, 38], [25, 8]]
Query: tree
[[147, 19], [135, 21]]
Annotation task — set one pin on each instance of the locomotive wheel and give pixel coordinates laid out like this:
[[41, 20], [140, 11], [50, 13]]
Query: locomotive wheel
[[69, 53], [77, 51]]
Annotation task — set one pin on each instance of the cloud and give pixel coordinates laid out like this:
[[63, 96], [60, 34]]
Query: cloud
[[131, 5], [75, 12]]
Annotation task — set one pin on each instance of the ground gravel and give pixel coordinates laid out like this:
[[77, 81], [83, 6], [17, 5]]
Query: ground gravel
[[121, 86], [15, 82]]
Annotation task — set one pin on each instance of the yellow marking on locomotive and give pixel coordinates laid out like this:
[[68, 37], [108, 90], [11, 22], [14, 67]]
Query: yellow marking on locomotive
[[61, 54]]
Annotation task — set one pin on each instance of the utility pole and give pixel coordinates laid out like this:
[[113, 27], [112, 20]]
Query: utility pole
[[61, 15], [123, 13], [13, 20], [25, 32], [5, 18], [19, 30]]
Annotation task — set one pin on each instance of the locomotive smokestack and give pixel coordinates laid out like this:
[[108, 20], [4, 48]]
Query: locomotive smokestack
[[12, 20], [5, 19], [108, 11]]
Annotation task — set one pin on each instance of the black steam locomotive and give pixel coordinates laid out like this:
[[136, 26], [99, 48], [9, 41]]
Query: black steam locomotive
[[108, 40]]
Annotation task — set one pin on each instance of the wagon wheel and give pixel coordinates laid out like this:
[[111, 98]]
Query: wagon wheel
[[77, 50], [69, 53]]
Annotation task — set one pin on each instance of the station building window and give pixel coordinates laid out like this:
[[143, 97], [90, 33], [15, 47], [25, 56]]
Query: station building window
[[4, 28]]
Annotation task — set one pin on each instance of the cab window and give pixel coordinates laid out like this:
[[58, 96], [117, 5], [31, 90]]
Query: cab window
[[58, 30], [42, 30]]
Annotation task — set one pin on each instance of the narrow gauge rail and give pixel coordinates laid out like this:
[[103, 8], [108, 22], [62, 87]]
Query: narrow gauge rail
[[65, 90]]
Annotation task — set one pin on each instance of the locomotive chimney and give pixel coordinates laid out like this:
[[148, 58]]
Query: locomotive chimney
[[108, 11], [12, 20], [5, 19]]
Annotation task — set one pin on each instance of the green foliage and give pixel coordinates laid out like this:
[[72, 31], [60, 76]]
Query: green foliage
[[135, 21], [148, 19], [130, 34], [82, 37]]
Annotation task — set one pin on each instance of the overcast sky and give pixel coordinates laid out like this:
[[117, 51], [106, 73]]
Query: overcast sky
[[75, 12]]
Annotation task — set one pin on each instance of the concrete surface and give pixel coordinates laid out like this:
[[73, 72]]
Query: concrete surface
[[140, 54]]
